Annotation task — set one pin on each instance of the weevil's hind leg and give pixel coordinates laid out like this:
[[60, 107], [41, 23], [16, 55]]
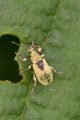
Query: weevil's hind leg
[[59, 73], [35, 81]]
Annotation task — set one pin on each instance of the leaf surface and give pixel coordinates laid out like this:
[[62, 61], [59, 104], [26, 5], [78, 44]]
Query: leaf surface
[[58, 22]]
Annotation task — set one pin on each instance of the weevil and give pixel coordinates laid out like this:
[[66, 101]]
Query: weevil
[[43, 73]]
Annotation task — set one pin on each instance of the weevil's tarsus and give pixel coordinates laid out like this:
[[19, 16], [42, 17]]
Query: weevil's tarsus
[[35, 82], [59, 73]]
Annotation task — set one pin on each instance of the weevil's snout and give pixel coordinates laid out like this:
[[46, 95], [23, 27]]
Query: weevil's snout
[[30, 49]]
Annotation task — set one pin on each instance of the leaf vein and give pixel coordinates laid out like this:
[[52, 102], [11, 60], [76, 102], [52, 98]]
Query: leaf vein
[[54, 18]]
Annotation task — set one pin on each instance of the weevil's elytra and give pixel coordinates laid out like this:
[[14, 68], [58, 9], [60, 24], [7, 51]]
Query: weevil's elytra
[[42, 70], [45, 75]]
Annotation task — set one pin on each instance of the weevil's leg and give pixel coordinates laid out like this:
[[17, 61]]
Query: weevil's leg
[[29, 67], [33, 44], [52, 68], [42, 55], [24, 59], [35, 81], [59, 73]]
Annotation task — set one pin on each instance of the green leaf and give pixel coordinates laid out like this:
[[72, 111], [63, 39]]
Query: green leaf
[[57, 21]]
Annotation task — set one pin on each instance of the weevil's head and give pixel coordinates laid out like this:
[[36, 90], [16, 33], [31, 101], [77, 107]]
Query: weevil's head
[[35, 56], [39, 50]]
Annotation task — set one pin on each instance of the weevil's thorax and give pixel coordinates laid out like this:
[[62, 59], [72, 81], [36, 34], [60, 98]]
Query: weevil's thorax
[[35, 57]]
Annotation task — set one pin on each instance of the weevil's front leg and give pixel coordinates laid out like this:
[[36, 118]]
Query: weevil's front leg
[[42, 55], [59, 73], [29, 67], [35, 81], [23, 58]]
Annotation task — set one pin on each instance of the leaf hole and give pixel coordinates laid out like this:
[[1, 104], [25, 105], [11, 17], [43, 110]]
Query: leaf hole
[[9, 68]]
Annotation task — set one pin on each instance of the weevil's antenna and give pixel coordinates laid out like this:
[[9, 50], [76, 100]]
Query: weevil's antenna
[[34, 45], [16, 44], [44, 43], [21, 44]]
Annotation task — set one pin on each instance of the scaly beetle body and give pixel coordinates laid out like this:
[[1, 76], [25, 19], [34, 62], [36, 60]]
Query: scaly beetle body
[[41, 69]]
